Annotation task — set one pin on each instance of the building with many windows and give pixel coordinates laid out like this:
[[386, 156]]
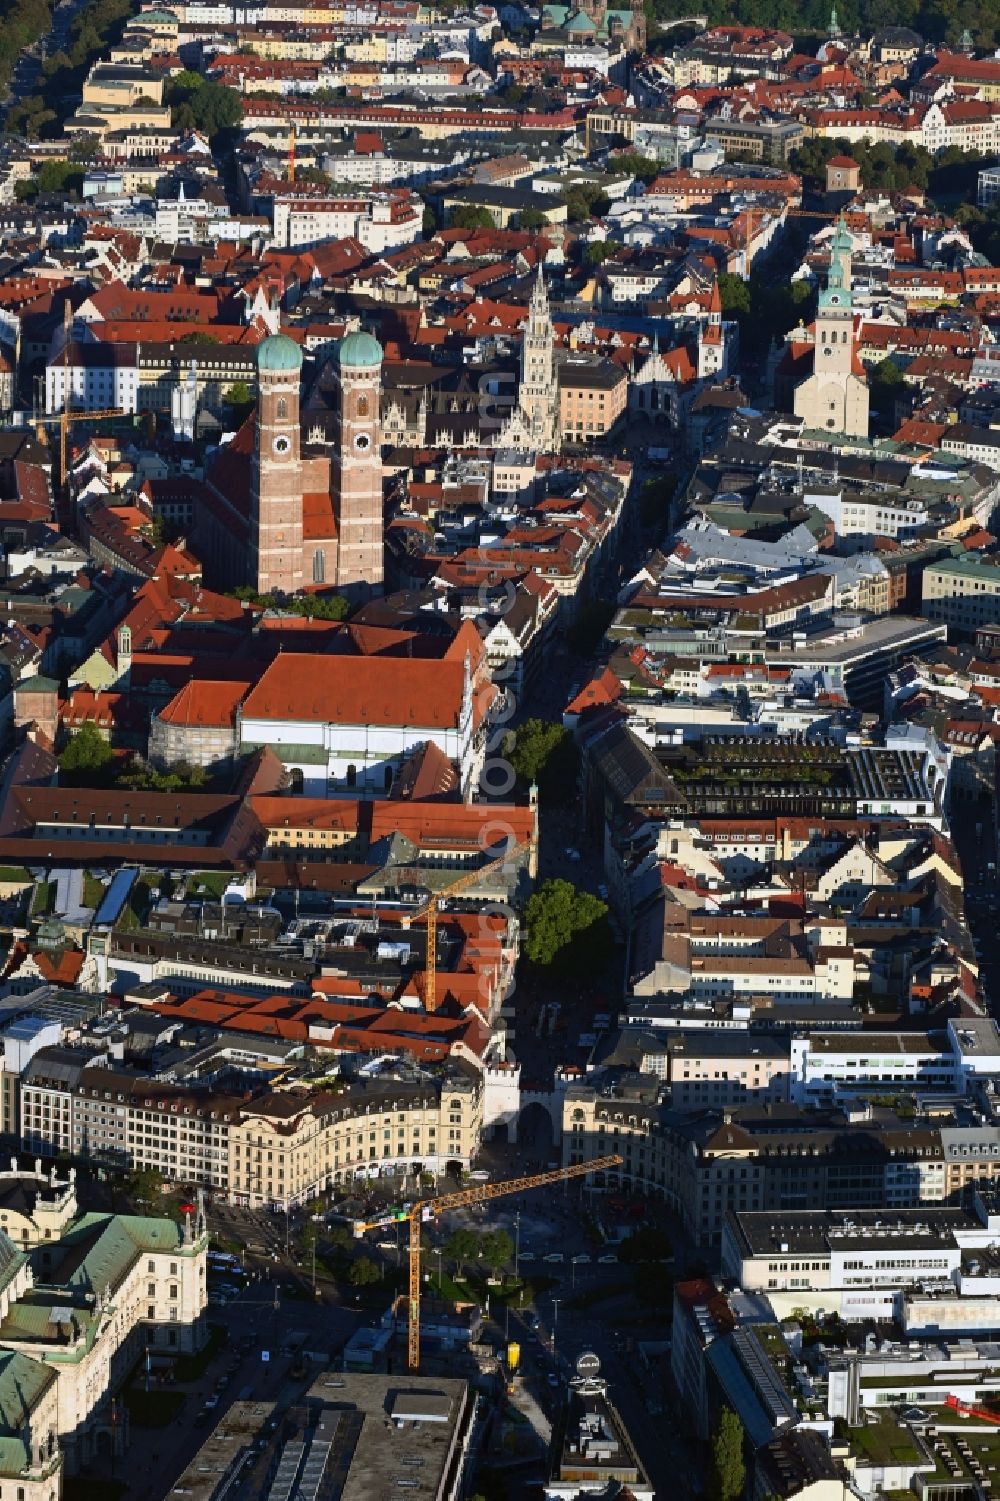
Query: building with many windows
[[291, 1145], [769, 1157], [74, 1321], [278, 1149], [962, 592]]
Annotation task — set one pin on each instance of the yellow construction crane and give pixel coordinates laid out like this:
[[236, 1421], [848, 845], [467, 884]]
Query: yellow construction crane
[[430, 910], [62, 420], [65, 417], [431, 1208]]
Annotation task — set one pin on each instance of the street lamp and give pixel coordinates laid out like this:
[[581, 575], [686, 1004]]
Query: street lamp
[[555, 1321], [517, 1241]]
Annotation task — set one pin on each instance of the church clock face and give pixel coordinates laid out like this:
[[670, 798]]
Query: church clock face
[[362, 442], [282, 445]]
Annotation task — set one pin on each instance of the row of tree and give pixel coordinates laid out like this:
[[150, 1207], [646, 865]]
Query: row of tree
[[936, 20], [95, 24], [764, 308], [24, 23], [947, 174], [494, 1248], [311, 606]]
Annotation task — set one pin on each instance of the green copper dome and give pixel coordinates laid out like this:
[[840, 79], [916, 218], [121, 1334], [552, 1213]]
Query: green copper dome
[[279, 352], [359, 350]]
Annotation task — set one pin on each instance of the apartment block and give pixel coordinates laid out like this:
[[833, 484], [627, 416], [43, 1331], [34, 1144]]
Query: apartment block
[[278, 1149], [291, 1145], [962, 592], [772, 1156]]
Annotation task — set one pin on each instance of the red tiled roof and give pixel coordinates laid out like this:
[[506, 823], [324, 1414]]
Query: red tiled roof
[[603, 689], [351, 690], [205, 702]]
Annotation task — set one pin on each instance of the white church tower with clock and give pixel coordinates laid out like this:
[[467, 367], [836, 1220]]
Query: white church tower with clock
[[835, 396]]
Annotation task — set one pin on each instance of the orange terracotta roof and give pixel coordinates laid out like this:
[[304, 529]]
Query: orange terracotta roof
[[604, 689], [446, 824], [205, 701], [307, 812], [355, 690]]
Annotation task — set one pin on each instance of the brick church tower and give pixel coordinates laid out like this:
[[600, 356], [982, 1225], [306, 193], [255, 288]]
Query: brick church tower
[[276, 551], [357, 462]]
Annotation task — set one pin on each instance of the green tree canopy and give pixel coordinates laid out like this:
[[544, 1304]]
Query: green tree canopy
[[314, 176], [598, 251], [727, 1472], [196, 104], [648, 1244], [946, 174], [86, 759], [51, 177], [84, 148], [887, 373], [585, 201], [498, 1249], [983, 229], [885, 382], [249, 593], [937, 20], [144, 1184], [567, 929], [645, 168], [320, 606], [469, 216], [764, 308], [140, 776], [363, 1272], [734, 293], [531, 218], [462, 1246], [95, 23], [239, 394], [30, 118], [544, 753]]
